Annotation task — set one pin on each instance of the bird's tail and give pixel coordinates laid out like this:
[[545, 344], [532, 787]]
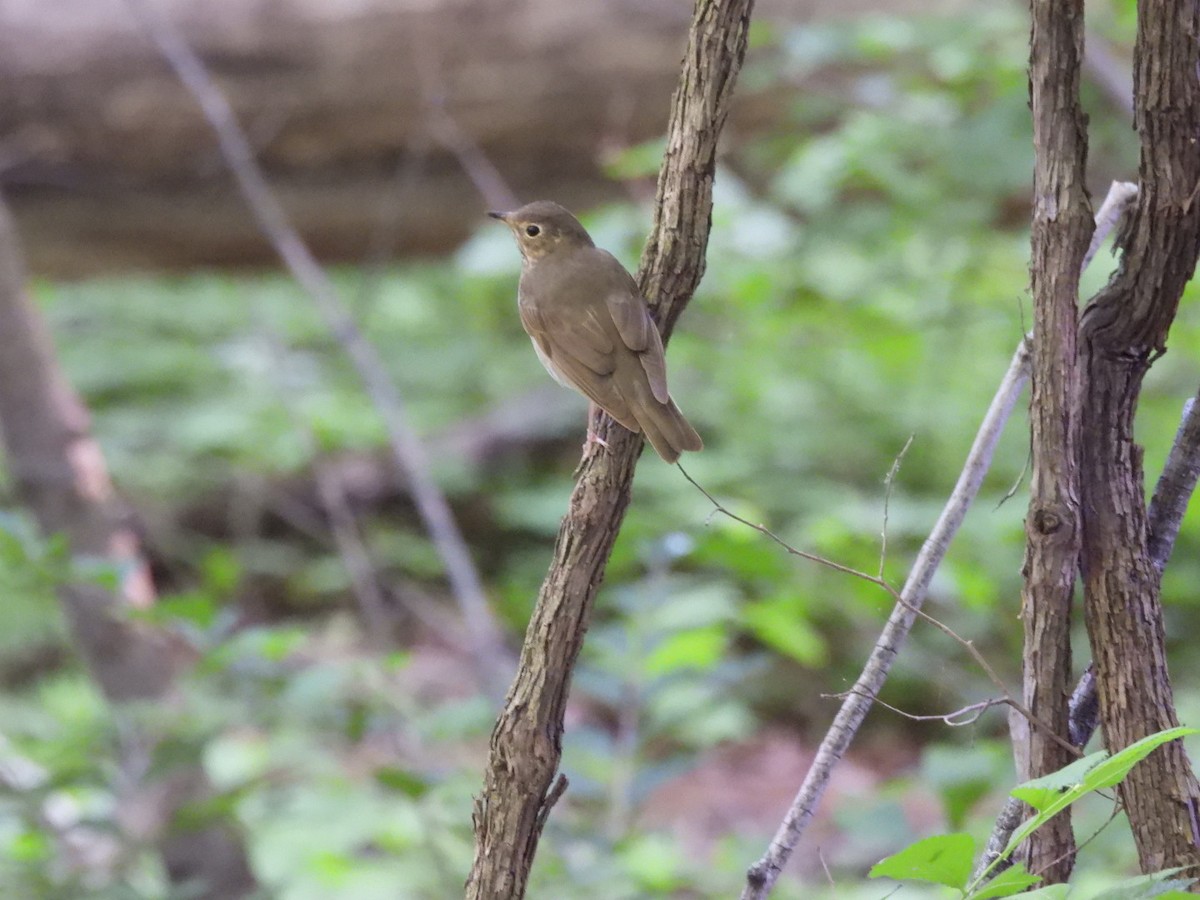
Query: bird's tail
[[668, 432]]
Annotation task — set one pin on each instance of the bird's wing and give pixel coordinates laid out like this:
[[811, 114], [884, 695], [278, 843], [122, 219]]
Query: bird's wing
[[581, 351], [639, 333], [571, 332]]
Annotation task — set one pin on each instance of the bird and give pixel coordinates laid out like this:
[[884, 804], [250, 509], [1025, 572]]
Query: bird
[[591, 327]]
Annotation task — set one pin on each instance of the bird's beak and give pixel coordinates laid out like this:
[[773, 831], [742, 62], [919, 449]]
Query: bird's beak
[[502, 216]]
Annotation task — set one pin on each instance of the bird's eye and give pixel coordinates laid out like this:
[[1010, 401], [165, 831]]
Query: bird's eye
[[532, 230]]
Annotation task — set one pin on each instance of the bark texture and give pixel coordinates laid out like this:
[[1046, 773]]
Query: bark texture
[[60, 474], [526, 746], [1062, 227], [1121, 332]]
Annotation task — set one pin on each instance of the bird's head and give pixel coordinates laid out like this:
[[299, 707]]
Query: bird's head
[[542, 227]]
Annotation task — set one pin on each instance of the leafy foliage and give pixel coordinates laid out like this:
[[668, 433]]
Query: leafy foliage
[[866, 283], [949, 859]]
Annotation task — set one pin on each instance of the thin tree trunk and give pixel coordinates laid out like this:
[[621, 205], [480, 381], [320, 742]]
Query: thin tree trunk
[[1122, 331], [1062, 226], [60, 474], [519, 786]]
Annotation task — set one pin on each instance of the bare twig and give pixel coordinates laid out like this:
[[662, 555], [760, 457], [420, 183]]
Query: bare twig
[[720, 508], [762, 875], [967, 715], [435, 512], [483, 174], [899, 599], [1120, 195], [331, 492], [888, 484]]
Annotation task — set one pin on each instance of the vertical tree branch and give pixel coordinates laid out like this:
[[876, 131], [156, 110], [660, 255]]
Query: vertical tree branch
[[1121, 332], [60, 474], [527, 741], [1062, 226]]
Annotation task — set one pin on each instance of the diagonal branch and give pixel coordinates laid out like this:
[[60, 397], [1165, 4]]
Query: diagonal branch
[[763, 874], [410, 456], [527, 740]]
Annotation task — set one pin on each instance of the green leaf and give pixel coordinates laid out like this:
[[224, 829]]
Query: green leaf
[[1111, 771], [941, 859], [697, 649], [781, 625], [402, 780], [1011, 881], [1053, 793], [1048, 791]]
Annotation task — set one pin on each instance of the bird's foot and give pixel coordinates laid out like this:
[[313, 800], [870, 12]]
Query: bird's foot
[[593, 438]]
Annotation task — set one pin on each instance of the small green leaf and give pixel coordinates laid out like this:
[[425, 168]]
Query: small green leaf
[[697, 649], [1049, 790], [941, 859], [1053, 793], [402, 781]]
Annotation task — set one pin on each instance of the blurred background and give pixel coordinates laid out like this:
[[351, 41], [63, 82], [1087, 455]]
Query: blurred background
[[866, 283]]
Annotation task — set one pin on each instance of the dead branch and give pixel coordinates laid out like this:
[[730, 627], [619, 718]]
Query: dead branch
[[409, 453], [762, 875]]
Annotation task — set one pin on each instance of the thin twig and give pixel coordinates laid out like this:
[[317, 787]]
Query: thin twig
[[1016, 485], [489, 653], [953, 719], [899, 599], [1120, 195], [720, 509], [762, 875], [445, 129], [888, 483], [340, 518]]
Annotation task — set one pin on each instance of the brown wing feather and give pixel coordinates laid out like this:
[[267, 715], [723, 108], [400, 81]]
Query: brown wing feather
[[639, 333], [593, 332], [583, 358]]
